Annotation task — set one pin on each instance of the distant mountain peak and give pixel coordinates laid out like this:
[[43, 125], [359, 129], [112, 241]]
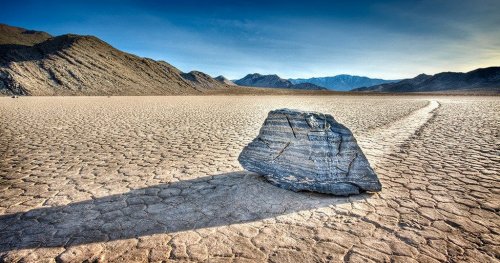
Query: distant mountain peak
[[273, 81], [11, 35], [224, 80], [342, 82], [483, 79], [264, 81]]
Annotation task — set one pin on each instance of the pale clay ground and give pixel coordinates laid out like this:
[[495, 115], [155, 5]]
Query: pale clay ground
[[157, 179]]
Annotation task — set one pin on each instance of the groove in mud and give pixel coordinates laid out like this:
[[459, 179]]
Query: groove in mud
[[391, 137]]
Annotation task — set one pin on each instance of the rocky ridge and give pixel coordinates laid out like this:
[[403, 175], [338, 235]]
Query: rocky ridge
[[10, 35], [85, 65], [482, 79], [273, 81]]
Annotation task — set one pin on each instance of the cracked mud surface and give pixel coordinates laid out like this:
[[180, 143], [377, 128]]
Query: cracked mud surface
[[156, 179]]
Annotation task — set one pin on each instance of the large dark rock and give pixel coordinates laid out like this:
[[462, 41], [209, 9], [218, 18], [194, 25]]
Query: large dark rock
[[309, 151]]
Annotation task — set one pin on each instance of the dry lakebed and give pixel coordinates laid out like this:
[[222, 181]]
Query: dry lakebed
[[135, 179]]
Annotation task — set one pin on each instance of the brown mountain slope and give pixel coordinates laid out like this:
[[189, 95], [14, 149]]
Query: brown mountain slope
[[10, 35], [86, 65], [225, 80]]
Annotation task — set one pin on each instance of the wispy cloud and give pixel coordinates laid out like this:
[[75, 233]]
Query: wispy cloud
[[388, 39]]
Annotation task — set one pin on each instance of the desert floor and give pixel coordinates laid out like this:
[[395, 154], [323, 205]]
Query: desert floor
[[157, 178]]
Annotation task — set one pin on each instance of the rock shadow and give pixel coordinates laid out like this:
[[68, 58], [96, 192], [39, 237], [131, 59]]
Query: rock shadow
[[210, 201]]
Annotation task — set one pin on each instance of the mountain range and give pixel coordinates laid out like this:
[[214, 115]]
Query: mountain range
[[36, 63], [478, 80], [273, 81], [342, 82]]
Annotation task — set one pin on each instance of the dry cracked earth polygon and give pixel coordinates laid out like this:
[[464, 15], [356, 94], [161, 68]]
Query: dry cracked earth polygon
[[157, 179]]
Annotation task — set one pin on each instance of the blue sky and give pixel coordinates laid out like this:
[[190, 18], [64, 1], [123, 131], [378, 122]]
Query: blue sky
[[386, 39]]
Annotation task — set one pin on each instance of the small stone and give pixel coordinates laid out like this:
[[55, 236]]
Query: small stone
[[309, 151]]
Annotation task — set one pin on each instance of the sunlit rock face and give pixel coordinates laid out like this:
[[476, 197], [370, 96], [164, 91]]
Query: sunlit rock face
[[309, 151]]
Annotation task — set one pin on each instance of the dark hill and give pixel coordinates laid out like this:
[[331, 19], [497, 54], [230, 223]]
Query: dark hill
[[481, 80], [273, 81], [10, 35]]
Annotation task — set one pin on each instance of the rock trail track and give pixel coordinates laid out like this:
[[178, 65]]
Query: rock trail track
[[139, 179], [395, 134]]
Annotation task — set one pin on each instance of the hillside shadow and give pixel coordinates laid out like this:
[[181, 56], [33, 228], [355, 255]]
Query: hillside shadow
[[211, 201], [18, 53]]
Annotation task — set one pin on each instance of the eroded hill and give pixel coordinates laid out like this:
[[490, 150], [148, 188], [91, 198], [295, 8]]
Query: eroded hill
[[37, 64]]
